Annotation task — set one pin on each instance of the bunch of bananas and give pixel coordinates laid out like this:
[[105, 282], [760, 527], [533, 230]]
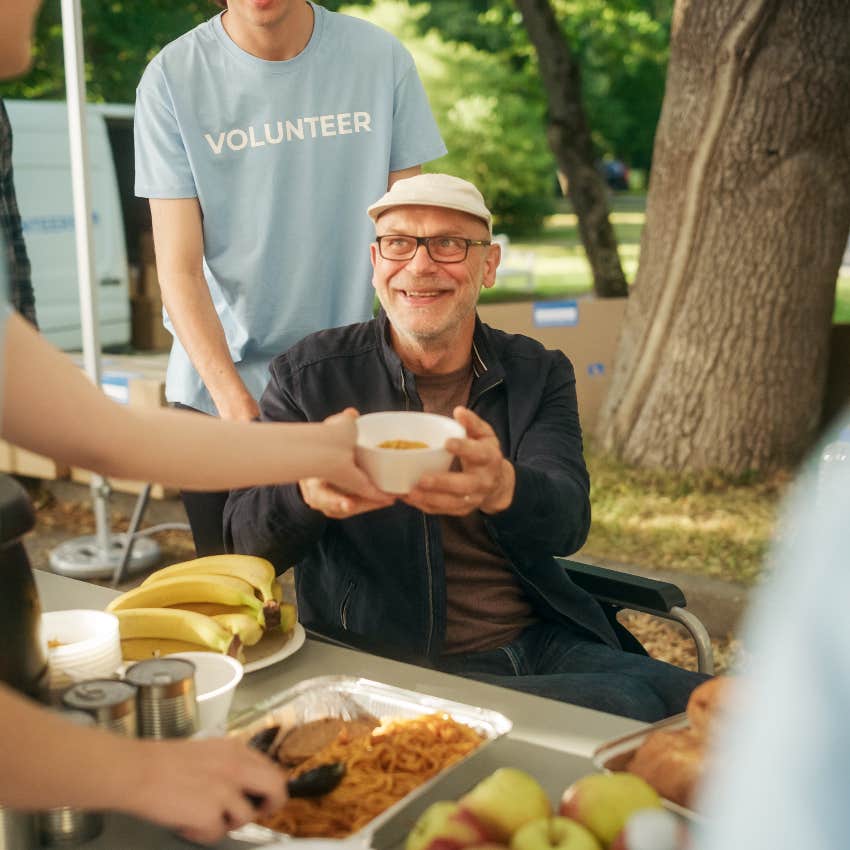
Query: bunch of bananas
[[219, 603]]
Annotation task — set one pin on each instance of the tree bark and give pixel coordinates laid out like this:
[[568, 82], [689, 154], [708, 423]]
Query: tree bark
[[723, 355], [569, 138]]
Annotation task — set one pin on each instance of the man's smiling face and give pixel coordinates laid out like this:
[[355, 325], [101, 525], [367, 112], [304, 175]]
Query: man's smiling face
[[428, 302]]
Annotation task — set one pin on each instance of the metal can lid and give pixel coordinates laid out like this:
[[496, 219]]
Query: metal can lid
[[94, 694], [78, 718], [160, 672]]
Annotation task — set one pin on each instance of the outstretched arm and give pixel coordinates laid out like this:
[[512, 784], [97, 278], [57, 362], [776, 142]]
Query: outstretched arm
[[195, 787], [50, 407]]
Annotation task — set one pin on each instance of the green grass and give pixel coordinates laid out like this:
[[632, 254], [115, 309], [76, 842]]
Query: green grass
[[561, 268], [709, 524]]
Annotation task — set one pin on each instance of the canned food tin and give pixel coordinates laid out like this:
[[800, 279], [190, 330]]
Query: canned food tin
[[111, 702], [65, 825], [165, 699], [17, 829]]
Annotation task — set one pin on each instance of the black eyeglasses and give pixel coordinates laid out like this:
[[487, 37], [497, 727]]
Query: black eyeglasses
[[441, 249]]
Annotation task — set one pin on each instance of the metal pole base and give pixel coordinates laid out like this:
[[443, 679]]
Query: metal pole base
[[83, 558]]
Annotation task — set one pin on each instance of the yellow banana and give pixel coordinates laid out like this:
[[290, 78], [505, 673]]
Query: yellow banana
[[288, 616], [258, 572], [212, 609], [244, 626], [140, 649], [192, 588], [277, 591], [175, 624]]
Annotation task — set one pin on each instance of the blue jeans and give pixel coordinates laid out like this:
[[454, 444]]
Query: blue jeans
[[555, 661]]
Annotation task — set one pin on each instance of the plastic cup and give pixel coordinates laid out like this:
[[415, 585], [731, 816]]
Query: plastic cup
[[216, 678]]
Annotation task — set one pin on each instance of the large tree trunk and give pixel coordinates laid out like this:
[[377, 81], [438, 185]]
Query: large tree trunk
[[569, 139], [723, 355]]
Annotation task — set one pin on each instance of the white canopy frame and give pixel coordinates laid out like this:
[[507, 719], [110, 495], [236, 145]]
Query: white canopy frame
[[102, 555]]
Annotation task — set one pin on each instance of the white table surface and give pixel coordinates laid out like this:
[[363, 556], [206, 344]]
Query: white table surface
[[550, 739]]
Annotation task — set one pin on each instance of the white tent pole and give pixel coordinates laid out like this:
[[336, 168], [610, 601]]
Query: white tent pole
[[75, 87]]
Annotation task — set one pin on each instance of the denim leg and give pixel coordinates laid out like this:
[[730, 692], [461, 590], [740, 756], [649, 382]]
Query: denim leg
[[557, 662]]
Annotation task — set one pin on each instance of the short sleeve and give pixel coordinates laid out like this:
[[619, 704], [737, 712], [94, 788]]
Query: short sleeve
[[162, 163], [416, 138]]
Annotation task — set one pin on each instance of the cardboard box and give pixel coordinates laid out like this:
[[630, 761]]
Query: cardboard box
[[148, 284], [146, 249], [18, 461], [37, 466], [7, 457], [148, 333], [585, 329], [140, 382]]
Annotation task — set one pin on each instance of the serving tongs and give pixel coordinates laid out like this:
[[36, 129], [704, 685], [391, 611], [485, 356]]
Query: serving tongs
[[315, 782]]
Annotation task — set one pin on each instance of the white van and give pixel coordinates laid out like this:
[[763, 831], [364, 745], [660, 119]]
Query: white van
[[42, 171]]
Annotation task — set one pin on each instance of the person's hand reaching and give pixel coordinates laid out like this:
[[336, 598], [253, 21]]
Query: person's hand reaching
[[485, 481], [200, 788], [347, 491]]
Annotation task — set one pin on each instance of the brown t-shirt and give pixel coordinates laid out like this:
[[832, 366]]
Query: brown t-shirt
[[485, 605]]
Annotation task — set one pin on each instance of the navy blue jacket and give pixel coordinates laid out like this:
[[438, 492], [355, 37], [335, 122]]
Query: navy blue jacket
[[380, 576]]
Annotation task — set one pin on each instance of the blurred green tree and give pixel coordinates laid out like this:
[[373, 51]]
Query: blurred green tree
[[490, 115], [120, 37]]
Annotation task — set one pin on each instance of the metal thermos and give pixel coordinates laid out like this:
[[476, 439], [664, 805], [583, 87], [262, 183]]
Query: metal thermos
[[23, 661], [165, 699]]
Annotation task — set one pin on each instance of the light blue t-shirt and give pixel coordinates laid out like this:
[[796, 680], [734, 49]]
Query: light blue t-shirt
[[284, 158]]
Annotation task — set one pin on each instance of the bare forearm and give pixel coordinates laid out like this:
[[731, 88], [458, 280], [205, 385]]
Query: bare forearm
[[30, 737], [191, 310], [179, 241], [52, 408]]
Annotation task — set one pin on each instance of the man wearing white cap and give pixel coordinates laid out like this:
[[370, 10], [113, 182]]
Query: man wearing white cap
[[459, 573]]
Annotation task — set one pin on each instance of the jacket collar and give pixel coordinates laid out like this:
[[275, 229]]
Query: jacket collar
[[486, 366]]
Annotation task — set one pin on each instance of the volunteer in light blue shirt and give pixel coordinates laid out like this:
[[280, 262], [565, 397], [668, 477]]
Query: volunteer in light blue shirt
[[283, 158], [261, 137]]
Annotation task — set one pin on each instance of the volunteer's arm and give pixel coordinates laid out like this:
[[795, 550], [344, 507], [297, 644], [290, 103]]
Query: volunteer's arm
[[179, 243], [50, 407], [195, 787]]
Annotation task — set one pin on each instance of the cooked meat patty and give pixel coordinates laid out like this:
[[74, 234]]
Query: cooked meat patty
[[307, 739]]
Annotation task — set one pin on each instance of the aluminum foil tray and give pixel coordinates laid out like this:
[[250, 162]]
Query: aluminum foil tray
[[616, 754], [348, 697]]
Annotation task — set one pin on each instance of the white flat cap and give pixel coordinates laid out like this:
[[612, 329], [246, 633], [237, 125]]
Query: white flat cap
[[434, 190]]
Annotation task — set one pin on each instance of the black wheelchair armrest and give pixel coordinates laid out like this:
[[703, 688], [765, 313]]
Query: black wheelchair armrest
[[616, 590], [624, 589]]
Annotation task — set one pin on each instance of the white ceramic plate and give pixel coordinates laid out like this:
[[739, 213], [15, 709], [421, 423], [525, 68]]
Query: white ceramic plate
[[273, 648]]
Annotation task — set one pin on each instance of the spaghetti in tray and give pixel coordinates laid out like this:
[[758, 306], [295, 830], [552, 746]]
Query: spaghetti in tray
[[381, 769]]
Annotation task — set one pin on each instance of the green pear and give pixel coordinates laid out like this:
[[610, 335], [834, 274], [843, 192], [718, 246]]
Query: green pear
[[556, 833], [506, 800], [603, 802]]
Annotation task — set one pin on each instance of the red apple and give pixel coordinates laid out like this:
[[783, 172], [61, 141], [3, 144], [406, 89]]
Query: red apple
[[603, 802], [446, 826], [505, 801], [555, 833]]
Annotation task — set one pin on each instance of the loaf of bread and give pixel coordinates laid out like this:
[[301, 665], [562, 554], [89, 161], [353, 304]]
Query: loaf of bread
[[673, 762]]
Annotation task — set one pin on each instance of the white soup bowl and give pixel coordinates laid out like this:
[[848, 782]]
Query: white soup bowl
[[398, 470]]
